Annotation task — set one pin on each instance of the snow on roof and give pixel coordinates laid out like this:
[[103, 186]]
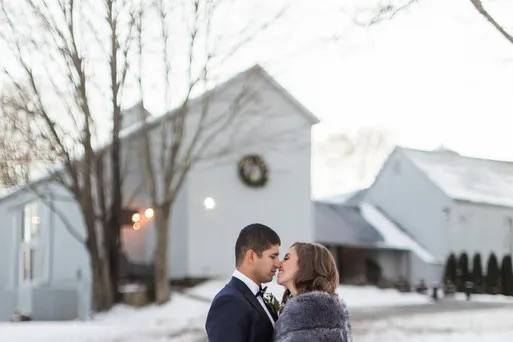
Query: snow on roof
[[354, 197], [342, 224], [8, 192], [241, 77], [393, 236], [465, 178], [362, 225]]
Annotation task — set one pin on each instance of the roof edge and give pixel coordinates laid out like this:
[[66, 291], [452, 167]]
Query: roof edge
[[286, 94]]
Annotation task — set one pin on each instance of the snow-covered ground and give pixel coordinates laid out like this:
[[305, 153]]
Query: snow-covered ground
[[170, 322], [489, 325], [182, 319], [354, 296]]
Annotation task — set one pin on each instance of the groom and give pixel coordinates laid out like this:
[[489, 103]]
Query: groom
[[239, 312]]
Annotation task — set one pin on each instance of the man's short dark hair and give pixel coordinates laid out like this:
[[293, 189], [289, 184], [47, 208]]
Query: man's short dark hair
[[257, 237]]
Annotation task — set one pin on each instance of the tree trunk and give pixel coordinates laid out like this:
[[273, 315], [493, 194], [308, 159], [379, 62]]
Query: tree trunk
[[115, 219], [162, 288], [103, 295], [114, 226]]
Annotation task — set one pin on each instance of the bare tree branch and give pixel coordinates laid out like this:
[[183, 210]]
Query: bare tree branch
[[479, 7], [384, 12]]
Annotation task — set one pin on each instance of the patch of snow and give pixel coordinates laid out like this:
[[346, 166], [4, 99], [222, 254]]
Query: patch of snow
[[465, 178], [354, 296], [129, 288], [370, 296], [122, 323], [490, 325], [208, 289]]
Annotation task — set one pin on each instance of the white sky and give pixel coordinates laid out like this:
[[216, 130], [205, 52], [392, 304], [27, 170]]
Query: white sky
[[436, 74]]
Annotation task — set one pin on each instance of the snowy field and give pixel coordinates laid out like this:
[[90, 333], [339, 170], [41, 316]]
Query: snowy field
[[490, 318], [489, 325]]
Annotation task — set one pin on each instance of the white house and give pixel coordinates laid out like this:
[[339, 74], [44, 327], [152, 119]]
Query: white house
[[269, 144], [444, 203]]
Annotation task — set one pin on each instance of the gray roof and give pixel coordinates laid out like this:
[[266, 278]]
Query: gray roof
[[363, 226], [340, 224], [242, 77], [465, 178]]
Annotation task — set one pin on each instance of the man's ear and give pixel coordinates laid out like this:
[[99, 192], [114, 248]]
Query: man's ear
[[251, 256]]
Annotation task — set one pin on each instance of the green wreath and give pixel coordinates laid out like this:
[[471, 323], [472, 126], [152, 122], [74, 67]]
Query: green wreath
[[253, 171]]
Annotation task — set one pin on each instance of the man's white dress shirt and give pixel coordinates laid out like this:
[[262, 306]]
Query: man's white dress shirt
[[254, 288]]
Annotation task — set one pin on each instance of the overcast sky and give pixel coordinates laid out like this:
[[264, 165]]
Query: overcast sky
[[436, 74]]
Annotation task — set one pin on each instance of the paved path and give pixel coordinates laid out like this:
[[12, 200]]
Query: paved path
[[445, 305]]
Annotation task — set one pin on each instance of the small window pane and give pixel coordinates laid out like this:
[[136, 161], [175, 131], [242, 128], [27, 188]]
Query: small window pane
[[31, 222]]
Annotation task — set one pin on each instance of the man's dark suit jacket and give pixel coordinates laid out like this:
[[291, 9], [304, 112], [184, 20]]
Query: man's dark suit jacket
[[236, 316]]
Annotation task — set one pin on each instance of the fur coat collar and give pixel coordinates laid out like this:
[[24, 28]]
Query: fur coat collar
[[313, 316]]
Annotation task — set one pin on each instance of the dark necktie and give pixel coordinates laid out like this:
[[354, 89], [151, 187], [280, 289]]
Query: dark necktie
[[261, 292], [271, 309]]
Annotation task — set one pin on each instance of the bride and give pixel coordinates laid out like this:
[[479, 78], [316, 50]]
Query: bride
[[312, 310]]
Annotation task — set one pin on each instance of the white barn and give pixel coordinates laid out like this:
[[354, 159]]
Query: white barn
[[444, 203], [41, 260]]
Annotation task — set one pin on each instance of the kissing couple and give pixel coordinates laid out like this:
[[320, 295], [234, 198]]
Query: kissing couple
[[310, 309]]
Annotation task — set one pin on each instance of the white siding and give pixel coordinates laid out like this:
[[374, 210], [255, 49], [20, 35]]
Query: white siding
[[410, 199], [60, 255], [69, 254], [480, 228], [281, 135]]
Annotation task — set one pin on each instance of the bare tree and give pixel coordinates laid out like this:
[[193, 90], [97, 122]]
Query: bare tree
[[62, 54], [385, 10], [15, 156], [388, 10], [348, 161], [79, 59], [479, 7], [190, 132]]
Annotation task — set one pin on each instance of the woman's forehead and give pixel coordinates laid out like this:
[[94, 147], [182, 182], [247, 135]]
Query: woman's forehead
[[292, 250]]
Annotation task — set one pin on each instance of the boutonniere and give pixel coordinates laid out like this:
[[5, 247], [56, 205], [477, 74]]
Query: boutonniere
[[272, 303]]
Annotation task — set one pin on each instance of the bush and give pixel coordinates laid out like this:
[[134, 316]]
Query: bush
[[477, 273], [462, 274], [492, 275], [450, 269], [507, 276]]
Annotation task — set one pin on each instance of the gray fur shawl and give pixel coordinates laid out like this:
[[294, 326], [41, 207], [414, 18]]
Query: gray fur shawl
[[313, 316]]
